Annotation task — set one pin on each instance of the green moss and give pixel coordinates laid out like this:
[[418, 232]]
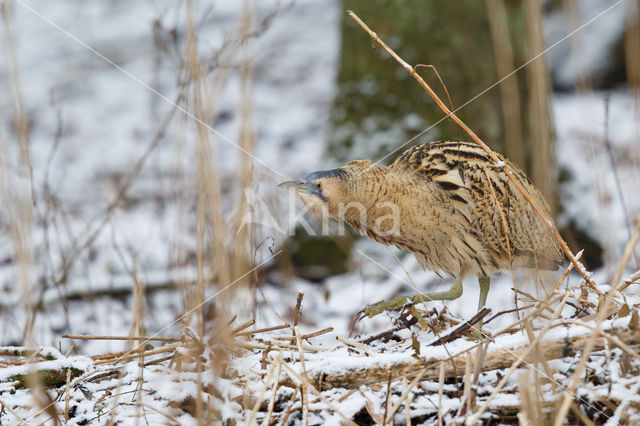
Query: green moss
[[375, 94], [317, 257], [48, 378]]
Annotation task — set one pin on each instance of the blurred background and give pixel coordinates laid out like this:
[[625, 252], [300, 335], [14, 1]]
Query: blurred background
[[141, 144]]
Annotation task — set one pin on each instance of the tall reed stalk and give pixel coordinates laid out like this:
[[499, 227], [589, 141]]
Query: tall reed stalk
[[542, 166], [510, 102]]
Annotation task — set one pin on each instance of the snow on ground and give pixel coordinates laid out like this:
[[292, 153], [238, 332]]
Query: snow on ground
[[598, 143], [90, 123]]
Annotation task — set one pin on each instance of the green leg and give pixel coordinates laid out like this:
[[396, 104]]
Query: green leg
[[484, 282], [453, 293]]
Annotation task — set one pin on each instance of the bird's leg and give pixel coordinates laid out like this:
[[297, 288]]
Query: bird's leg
[[484, 282], [453, 293]]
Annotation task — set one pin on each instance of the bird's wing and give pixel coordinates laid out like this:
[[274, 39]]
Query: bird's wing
[[446, 164], [466, 174]]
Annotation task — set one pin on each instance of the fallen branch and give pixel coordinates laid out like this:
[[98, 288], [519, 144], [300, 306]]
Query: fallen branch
[[430, 369], [461, 329]]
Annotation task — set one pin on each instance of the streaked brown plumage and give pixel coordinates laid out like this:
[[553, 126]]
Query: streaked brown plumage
[[446, 211]]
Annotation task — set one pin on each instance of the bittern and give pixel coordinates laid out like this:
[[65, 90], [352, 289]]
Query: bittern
[[449, 204]]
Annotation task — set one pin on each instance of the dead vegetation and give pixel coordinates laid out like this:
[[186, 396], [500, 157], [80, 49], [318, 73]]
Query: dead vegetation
[[572, 356], [297, 379]]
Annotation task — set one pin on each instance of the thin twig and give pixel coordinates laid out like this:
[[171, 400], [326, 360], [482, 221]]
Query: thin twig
[[516, 364], [306, 336], [305, 392], [11, 410], [272, 400], [262, 330], [256, 405], [461, 329], [90, 337], [297, 313], [242, 326], [355, 344]]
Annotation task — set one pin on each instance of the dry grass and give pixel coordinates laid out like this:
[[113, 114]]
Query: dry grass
[[288, 381], [472, 379]]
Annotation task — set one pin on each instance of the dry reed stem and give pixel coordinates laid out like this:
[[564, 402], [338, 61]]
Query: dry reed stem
[[626, 255], [538, 88], [386, 401], [633, 279], [481, 352], [355, 344], [164, 349], [632, 55], [262, 330], [256, 405], [411, 280], [632, 44], [272, 400], [98, 337], [538, 356], [285, 417], [305, 392], [242, 326], [116, 354], [583, 418], [465, 402], [444, 86], [19, 206], [313, 389], [440, 392], [152, 408], [510, 102], [297, 311], [579, 267], [66, 395], [407, 407], [306, 336], [499, 359], [208, 177], [12, 411], [613, 339], [278, 346], [601, 315], [246, 140], [527, 404], [518, 361], [565, 274], [406, 392]]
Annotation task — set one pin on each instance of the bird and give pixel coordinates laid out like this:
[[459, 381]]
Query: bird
[[447, 202]]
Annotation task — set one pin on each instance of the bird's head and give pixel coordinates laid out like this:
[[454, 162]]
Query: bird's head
[[328, 190]]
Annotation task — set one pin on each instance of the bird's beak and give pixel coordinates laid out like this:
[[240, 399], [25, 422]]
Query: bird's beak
[[292, 184]]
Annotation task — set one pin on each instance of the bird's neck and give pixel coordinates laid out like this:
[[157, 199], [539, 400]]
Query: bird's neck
[[376, 194]]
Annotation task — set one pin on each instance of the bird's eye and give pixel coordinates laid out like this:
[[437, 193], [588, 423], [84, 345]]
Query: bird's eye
[[318, 185]]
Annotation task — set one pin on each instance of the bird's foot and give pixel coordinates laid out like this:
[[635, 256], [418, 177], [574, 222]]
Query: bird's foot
[[373, 310], [477, 333]]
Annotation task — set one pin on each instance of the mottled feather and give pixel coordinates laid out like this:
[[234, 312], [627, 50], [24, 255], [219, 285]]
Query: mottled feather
[[459, 170]]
